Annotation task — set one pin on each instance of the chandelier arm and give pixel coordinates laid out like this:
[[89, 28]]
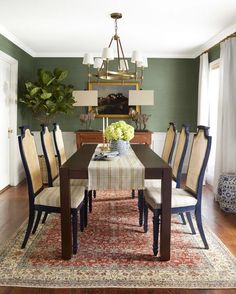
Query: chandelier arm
[[111, 42], [123, 56], [118, 52]]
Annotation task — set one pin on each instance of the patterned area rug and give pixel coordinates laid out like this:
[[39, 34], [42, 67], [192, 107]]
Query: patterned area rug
[[114, 252]]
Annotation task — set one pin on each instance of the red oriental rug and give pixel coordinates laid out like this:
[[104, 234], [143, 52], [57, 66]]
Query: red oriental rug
[[114, 252]]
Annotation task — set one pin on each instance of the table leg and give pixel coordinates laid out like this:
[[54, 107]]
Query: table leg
[[140, 206], [165, 214], [66, 236]]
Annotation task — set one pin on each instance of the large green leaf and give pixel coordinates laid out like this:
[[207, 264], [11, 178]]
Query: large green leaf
[[34, 91], [46, 95], [53, 79], [60, 74], [45, 76]]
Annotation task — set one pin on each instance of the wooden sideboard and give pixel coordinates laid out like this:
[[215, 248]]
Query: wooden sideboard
[[86, 137]]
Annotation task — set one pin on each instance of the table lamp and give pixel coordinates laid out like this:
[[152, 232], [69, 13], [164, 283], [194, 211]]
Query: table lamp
[[86, 98], [143, 97]]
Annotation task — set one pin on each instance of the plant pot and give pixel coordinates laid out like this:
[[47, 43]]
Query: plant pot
[[121, 146]]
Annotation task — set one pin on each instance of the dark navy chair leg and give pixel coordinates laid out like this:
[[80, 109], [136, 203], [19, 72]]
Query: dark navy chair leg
[[45, 217], [37, 222], [133, 193], [189, 218], [140, 206], [94, 194], [145, 214], [86, 209], [90, 201], [200, 227], [182, 218], [29, 228], [75, 230]]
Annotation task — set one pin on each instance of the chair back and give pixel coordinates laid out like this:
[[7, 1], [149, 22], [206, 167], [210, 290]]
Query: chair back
[[29, 156], [59, 144], [49, 154], [180, 154], [169, 144], [198, 160]]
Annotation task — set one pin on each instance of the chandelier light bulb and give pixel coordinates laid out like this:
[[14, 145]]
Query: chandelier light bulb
[[98, 62], [136, 56], [88, 59], [107, 54], [143, 63]]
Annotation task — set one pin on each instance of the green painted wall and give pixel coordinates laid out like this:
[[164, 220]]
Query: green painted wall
[[175, 82], [25, 72]]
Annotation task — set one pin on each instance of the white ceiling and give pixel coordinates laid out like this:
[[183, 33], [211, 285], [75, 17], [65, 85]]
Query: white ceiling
[[159, 28]]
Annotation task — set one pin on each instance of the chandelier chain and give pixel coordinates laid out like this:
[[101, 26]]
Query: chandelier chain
[[116, 27]]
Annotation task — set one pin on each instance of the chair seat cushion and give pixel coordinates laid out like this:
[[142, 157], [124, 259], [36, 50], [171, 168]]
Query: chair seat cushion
[[51, 196], [180, 198], [73, 182], [156, 183]]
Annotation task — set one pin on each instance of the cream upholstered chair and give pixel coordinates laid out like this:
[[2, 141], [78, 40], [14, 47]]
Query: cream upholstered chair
[[167, 152], [61, 155], [187, 199], [178, 162], [53, 172], [169, 144], [48, 199]]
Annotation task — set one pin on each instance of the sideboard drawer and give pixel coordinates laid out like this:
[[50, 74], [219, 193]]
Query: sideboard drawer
[[96, 137]]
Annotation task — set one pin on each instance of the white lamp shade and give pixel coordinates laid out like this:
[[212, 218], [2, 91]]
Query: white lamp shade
[[122, 66], [98, 62], [85, 98], [88, 59], [143, 97], [107, 53], [143, 63], [136, 56]]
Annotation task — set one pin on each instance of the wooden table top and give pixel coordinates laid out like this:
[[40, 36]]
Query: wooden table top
[[79, 161]]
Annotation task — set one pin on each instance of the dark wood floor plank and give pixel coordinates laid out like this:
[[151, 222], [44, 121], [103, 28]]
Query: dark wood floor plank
[[14, 211], [15, 290]]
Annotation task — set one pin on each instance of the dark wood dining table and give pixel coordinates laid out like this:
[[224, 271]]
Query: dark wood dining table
[[76, 167]]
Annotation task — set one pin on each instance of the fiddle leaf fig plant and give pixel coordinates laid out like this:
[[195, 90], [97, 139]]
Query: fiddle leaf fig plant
[[48, 96]]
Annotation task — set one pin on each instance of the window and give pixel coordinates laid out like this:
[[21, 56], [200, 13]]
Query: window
[[213, 91]]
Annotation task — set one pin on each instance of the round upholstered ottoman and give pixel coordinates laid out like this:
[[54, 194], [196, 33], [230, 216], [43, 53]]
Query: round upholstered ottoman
[[226, 193]]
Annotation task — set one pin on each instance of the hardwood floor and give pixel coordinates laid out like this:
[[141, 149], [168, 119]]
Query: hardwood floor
[[14, 210]]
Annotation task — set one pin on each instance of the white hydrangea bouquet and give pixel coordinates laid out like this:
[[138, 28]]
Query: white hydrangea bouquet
[[119, 131], [119, 134]]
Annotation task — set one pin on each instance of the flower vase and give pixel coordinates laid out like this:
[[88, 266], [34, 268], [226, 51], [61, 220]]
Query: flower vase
[[120, 145]]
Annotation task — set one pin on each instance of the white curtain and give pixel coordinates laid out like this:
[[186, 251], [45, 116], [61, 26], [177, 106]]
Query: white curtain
[[203, 99], [226, 125]]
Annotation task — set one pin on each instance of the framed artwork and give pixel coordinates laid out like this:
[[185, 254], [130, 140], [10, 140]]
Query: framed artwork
[[113, 99]]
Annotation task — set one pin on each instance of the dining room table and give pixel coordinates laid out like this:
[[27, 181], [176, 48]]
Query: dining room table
[[77, 167]]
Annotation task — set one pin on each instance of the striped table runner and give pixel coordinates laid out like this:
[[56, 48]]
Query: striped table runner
[[122, 173]]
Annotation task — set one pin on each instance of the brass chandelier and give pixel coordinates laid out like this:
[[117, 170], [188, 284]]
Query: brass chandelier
[[101, 64]]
